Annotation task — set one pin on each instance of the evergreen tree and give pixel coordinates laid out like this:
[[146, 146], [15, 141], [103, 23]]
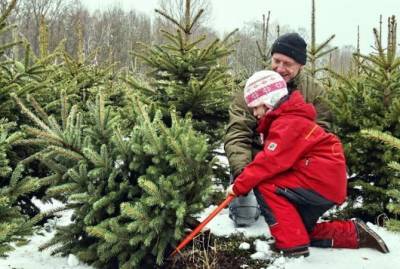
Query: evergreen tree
[[79, 76], [18, 77], [43, 76], [14, 226], [190, 76], [369, 99], [262, 48], [393, 190], [131, 195], [316, 52]]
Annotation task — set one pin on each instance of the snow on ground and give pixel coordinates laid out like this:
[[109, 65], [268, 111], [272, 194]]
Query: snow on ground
[[28, 257], [325, 258]]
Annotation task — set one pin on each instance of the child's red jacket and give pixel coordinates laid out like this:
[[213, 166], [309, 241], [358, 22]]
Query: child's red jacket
[[295, 145]]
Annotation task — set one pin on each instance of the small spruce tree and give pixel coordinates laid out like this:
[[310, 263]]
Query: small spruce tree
[[190, 75], [20, 77], [131, 195], [369, 99], [17, 76], [14, 226], [393, 190]]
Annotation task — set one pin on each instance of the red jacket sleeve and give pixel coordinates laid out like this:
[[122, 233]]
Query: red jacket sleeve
[[284, 145]]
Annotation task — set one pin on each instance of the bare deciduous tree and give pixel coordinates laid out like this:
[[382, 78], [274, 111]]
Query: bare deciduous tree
[[176, 9]]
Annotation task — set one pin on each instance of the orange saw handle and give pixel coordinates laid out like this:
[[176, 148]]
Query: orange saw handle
[[202, 224]]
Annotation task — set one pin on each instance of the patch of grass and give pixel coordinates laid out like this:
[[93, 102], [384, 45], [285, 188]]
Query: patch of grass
[[211, 252]]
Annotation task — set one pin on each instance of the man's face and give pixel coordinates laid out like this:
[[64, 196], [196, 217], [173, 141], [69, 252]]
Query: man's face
[[285, 66]]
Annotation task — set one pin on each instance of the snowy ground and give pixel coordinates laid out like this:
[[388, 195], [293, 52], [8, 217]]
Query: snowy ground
[[28, 257], [319, 258]]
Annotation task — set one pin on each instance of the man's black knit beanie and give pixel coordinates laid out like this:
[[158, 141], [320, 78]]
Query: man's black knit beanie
[[291, 45]]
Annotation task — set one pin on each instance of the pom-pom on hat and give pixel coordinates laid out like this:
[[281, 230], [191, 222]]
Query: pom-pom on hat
[[264, 87]]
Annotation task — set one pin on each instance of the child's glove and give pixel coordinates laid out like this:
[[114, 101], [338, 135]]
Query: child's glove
[[229, 191]]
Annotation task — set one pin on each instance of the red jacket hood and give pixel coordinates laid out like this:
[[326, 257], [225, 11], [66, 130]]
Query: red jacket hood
[[294, 105]]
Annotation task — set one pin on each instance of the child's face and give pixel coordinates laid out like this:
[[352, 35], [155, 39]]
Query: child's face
[[259, 111]]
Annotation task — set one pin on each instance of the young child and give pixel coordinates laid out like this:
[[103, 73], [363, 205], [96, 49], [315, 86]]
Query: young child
[[300, 173]]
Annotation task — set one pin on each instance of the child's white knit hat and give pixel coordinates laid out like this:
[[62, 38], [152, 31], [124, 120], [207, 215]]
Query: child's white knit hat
[[264, 87]]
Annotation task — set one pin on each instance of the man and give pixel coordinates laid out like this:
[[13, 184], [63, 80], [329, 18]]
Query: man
[[242, 143]]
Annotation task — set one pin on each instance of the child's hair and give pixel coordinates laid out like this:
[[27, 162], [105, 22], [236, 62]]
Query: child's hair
[[264, 87]]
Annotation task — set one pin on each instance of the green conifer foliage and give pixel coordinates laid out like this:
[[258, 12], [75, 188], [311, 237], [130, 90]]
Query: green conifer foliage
[[190, 75], [393, 190], [262, 46], [369, 99], [14, 226], [316, 52], [79, 76], [29, 75], [131, 195], [17, 76]]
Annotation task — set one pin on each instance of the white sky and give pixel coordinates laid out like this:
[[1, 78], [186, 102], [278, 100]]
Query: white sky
[[339, 17]]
